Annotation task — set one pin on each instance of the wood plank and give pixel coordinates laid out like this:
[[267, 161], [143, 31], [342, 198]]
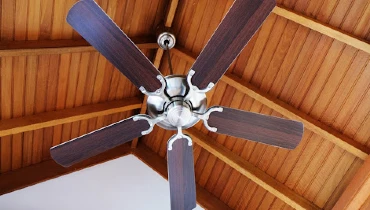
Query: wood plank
[[30, 91], [323, 28], [170, 16], [288, 111], [158, 164], [40, 105], [247, 169], [52, 88], [34, 15], [7, 20], [6, 111], [357, 192], [47, 47], [48, 119], [31, 175], [19, 77]]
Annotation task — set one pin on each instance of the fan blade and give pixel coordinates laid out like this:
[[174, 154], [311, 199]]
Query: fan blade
[[234, 32], [257, 127], [181, 174], [98, 141], [89, 20]]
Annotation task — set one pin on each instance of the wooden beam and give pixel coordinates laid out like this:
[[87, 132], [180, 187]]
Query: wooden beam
[[323, 28], [288, 111], [158, 164], [170, 16], [171, 11], [44, 47], [357, 193], [48, 119], [247, 169], [47, 170]]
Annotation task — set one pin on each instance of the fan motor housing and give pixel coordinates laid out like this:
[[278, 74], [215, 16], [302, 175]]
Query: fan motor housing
[[182, 102]]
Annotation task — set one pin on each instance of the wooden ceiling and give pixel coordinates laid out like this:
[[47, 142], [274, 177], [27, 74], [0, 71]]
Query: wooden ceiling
[[309, 62]]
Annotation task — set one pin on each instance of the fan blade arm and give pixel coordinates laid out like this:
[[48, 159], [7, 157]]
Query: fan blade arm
[[257, 127], [180, 162], [236, 29], [94, 25], [96, 142]]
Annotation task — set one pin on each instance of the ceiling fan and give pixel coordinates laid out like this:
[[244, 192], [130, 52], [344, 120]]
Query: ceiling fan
[[176, 102]]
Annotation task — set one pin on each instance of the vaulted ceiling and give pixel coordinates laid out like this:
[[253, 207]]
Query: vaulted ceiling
[[309, 62]]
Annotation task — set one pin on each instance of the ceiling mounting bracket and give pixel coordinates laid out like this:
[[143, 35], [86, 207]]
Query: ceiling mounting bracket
[[177, 136], [205, 117], [151, 121], [195, 88], [158, 92], [166, 40]]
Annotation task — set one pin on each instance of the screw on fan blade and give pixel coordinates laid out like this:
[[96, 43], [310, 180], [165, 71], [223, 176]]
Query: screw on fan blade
[[96, 142], [257, 127], [89, 20], [234, 32], [181, 178]]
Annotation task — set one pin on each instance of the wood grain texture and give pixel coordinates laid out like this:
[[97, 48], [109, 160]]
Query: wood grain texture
[[180, 163], [247, 169], [158, 164], [323, 28], [257, 127], [49, 119], [28, 176], [47, 47], [357, 192], [96, 142], [321, 77], [290, 112], [234, 32], [171, 11], [88, 19]]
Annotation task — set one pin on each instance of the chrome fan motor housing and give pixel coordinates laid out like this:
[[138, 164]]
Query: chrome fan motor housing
[[178, 104]]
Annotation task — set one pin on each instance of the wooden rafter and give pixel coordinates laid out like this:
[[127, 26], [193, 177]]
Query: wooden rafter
[[46, 47], [170, 15], [34, 174], [48, 119], [323, 28], [158, 164], [320, 128], [357, 193], [244, 167], [47, 170]]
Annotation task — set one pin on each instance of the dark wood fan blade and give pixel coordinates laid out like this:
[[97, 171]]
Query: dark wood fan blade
[[180, 163], [89, 20], [98, 141], [234, 32], [257, 127]]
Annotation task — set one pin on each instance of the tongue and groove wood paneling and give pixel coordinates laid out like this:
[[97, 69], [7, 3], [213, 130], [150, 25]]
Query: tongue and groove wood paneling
[[309, 71], [46, 19], [350, 16], [328, 80], [316, 179], [35, 84]]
